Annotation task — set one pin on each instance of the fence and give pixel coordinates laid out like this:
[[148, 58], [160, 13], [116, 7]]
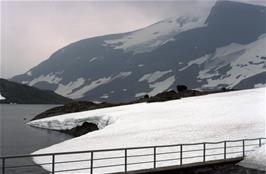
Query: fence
[[131, 159]]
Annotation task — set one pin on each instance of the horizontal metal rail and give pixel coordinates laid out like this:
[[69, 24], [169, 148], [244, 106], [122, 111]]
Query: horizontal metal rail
[[229, 147]]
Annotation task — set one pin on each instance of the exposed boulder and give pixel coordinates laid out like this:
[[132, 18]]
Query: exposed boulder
[[146, 96], [181, 88], [81, 130]]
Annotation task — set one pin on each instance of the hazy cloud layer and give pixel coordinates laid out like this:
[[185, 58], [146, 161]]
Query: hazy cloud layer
[[32, 31]]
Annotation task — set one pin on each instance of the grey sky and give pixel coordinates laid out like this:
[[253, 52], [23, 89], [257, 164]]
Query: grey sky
[[32, 31]]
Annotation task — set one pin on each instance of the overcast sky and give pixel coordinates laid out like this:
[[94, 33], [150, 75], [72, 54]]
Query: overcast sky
[[31, 31]]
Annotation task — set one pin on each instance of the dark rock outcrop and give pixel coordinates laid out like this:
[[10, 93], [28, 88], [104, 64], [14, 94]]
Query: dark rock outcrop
[[164, 96], [181, 88], [191, 93], [71, 108], [81, 130]]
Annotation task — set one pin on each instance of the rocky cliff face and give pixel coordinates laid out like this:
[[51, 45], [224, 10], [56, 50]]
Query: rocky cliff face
[[224, 49]]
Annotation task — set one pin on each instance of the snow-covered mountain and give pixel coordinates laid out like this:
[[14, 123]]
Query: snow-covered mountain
[[224, 49]]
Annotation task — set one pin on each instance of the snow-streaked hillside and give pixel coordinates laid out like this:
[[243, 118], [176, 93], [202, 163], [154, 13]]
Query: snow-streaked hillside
[[231, 64], [216, 117], [227, 49], [149, 38]]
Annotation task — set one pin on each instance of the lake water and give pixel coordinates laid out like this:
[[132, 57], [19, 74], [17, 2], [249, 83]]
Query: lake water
[[17, 138]]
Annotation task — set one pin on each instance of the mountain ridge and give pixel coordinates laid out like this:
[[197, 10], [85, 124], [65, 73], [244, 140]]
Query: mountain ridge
[[22, 94], [118, 68]]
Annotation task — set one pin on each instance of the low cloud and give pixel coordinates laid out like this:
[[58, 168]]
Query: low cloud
[[32, 31]]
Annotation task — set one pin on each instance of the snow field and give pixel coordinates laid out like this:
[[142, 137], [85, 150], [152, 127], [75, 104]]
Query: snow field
[[216, 117]]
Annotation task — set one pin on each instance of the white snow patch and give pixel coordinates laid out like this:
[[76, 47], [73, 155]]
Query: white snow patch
[[153, 36], [255, 159], [65, 90], [161, 86], [260, 85], [152, 77], [140, 65], [49, 78], [93, 59], [105, 96], [96, 83], [123, 75], [2, 98], [216, 117], [29, 73], [140, 94], [25, 82], [198, 61]]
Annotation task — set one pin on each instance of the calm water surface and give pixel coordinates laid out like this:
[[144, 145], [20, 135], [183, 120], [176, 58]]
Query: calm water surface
[[18, 138]]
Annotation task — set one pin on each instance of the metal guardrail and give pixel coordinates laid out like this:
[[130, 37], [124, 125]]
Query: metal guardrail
[[223, 150]]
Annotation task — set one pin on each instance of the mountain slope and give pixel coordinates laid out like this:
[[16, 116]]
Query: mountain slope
[[12, 92], [224, 50]]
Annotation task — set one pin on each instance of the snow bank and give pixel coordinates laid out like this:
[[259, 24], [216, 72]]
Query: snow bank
[[216, 117], [256, 159]]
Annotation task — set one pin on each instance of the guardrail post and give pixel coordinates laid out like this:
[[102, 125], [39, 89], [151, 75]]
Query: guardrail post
[[181, 154], [3, 165], [224, 149], [154, 157], [91, 162], [243, 142], [125, 160], [204, 152], [259, 142], [53, 161]]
